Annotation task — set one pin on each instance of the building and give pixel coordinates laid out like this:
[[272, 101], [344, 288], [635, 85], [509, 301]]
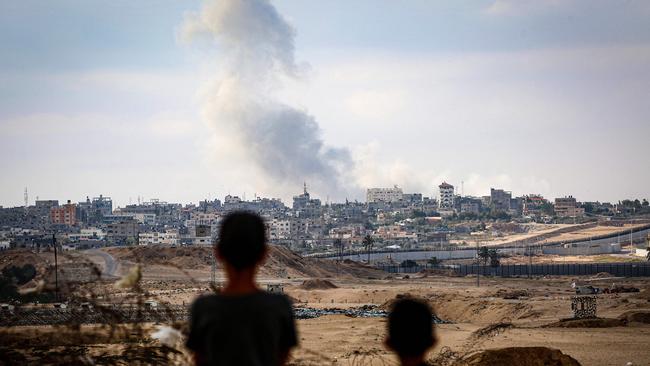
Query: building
[[394, 194], [94, 211], [64, 215], [44, 207], [533, 204], [305, 206], [203, 225], [412, 198], [122, 230], [500, 199], [446, 196], [169, 237], [102, 205], [470, 206], [568, 207], [279, 229], [88, 234]]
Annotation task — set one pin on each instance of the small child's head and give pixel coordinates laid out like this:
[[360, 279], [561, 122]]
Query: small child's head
[[242, 240], [410, 331]]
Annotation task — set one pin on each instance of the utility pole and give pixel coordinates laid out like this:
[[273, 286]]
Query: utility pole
[[530, 260], [213, 270], [631, 241], [478, 273], [56, 269]]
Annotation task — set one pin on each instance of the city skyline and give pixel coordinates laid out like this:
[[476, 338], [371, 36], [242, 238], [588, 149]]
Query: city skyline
[[434, 194], [528, 96]]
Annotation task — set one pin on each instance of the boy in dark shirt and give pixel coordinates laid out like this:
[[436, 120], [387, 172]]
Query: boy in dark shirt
[[410, 331], [242, 325]]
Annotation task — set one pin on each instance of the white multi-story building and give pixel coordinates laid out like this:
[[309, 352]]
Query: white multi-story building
[[394, 194], [90, 233], [446, 196], [169, 237]]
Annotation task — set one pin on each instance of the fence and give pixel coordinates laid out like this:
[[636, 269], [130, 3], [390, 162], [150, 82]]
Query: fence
[[510, 270]]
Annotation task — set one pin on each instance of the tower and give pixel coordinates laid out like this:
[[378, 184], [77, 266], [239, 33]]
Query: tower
[[26, 199]]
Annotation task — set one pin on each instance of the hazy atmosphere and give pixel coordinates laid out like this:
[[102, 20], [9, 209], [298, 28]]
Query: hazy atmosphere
[[300, 183], [186, 100]]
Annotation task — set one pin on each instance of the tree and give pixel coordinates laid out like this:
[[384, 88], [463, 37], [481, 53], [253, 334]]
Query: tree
[[483, 255], [417, 213], [368, 243], [494, 258], [408, 264]]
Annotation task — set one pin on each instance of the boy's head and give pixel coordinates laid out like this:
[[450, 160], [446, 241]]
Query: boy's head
[[410, 333], [242, 240]]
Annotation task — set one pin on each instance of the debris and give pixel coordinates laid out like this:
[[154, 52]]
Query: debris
[[365, 311]]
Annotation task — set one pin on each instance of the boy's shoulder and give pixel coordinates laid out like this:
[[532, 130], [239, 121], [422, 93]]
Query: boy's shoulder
[[262, 297]]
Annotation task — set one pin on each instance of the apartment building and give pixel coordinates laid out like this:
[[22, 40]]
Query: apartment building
[[568, 207], [500, 199], [394, 194], [169, 237], [446, 196], [64, 215]]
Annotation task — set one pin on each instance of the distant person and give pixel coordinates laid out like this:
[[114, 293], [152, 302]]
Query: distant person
[[410, 331], [242, 325]]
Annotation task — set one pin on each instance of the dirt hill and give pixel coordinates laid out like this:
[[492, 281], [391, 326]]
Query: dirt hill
[[317, 284], [522, 356], [281, 262]]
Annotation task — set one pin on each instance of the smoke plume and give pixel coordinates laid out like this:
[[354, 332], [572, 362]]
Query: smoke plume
[[256, 53]]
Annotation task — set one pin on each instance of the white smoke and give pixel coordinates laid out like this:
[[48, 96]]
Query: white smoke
[[256, 52]]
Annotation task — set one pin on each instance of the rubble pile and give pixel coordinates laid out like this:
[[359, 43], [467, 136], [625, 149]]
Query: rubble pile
[[366, 311]]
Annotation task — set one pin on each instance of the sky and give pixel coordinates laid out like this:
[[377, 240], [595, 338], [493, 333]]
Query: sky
[[111, 98]]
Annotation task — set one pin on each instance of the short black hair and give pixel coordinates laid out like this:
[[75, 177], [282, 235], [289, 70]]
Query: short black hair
[[410, 330], [242, 239]]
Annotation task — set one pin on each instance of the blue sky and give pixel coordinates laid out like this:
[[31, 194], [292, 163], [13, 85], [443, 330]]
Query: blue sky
[[531, 96]]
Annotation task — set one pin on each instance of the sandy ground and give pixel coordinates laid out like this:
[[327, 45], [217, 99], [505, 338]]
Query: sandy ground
[[534, 230], [341, 340], [596, 231], [542, 229]]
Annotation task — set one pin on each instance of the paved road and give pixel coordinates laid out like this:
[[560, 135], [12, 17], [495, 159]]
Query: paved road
[[110, 264]]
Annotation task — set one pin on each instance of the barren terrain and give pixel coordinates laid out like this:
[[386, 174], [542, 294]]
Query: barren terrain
[[500, 313]]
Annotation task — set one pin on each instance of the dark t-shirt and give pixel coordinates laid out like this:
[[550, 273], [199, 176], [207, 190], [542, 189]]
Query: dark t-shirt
[[247, 330]]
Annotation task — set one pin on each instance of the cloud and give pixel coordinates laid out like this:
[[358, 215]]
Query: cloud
[[535, 116]]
